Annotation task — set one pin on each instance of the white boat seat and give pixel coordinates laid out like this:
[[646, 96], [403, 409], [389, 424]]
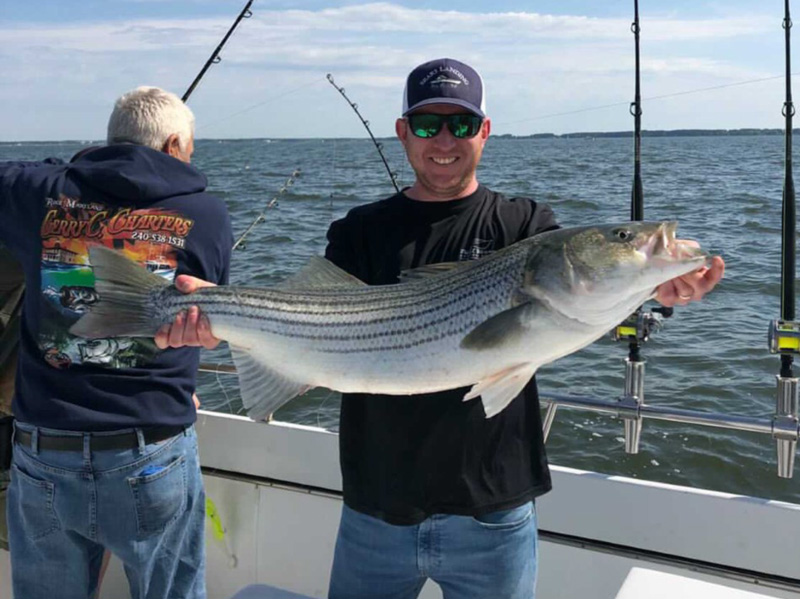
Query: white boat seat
[[265, 591], [641, 583]]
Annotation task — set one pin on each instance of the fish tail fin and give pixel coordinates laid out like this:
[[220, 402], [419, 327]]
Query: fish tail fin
[[263, 390], [125, 306]]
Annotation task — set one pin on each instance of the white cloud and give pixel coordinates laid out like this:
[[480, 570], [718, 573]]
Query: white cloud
[[533, 64]]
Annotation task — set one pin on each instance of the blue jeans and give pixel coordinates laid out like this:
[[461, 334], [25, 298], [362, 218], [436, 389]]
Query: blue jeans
[[493, 555], [145, 505]]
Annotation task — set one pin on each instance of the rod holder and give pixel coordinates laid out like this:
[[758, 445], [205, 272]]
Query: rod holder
[[785, 424], [630, 404]]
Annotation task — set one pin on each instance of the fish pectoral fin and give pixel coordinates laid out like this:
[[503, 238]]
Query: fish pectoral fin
[[263, 390], [319, 272], [501, 328], [498, 390]]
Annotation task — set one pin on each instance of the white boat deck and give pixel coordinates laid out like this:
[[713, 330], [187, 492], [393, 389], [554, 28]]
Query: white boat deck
[[277, 491]]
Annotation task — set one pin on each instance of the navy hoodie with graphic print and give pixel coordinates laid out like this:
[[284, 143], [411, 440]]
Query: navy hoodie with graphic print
[[151, 207]]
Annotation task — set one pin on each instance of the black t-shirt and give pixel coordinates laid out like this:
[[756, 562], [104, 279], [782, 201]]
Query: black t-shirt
[[405, 458]]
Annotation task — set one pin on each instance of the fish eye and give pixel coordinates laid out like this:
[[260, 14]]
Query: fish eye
[[622, 234]]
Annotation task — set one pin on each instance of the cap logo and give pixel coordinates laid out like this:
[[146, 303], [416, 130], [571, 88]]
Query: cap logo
[[443, 78]]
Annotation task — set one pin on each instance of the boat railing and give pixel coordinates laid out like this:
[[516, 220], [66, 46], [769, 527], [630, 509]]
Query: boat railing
[[783, 426]]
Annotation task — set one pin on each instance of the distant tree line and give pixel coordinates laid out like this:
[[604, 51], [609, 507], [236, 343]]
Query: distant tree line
[[650, 133]]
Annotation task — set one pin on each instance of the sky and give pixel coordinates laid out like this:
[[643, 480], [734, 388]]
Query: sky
[[554, 66]]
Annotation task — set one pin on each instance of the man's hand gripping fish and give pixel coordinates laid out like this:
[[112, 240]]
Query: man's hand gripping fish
[[488, 324]]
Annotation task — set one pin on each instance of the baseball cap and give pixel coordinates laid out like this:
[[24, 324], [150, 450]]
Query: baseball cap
[[444, 81]]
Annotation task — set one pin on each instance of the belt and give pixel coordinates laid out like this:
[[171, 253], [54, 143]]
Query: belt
[[126, 440]]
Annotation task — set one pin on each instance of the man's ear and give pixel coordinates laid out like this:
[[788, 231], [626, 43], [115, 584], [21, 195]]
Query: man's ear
[[172, 146], [401, 129]]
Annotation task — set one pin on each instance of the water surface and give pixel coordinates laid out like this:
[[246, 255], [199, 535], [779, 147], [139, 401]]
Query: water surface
[[712, 356]]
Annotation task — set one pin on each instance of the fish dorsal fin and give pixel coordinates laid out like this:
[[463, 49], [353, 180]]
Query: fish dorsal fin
[[430, 270], [319, 272], [263, 390], [500, 389]]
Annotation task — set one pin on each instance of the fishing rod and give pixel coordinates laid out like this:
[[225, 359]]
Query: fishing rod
[[640, 325], [289, 182], [637, 204], [637, 328], [215, 57], [784, 334], [789, 212], [645, 322], [378, 145]]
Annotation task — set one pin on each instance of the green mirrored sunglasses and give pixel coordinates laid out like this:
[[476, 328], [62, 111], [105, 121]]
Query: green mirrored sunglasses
[[462, 126]]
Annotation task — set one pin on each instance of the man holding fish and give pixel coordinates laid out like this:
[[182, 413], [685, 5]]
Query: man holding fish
[[436, 486], [432, 488]]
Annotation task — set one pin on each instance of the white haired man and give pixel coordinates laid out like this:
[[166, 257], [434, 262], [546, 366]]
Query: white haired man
[[105, 453], [151, 117]]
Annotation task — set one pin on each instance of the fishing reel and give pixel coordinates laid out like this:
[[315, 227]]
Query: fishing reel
[[640, 325], [784, 337]]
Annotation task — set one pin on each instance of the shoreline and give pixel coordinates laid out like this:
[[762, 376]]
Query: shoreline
[[576, 135]]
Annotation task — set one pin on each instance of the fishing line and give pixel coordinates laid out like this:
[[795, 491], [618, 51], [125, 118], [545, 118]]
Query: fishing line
[[403, 168], [322, 405], [333, 182], [228, 403], [315, 81], [648, 98]]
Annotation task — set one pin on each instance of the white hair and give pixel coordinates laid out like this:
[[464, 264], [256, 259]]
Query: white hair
[[148, 116]]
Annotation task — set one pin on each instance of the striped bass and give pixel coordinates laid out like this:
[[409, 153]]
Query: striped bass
[[488, 324]]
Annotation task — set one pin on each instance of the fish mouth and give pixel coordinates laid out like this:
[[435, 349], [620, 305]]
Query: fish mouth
[[663, 246]]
